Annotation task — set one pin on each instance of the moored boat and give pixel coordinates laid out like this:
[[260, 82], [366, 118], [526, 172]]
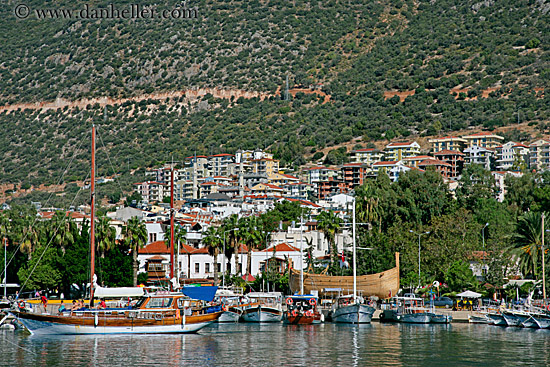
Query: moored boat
[[233, 304], [350, 310], [478, 319], [439, 318], [158, 313], [264, 307], [302, 310], [496, 319]]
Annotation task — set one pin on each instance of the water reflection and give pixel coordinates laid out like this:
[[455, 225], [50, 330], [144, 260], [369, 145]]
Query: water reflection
[[289, 345]]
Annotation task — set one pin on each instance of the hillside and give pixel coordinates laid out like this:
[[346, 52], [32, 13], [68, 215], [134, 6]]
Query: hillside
[[368, 71]]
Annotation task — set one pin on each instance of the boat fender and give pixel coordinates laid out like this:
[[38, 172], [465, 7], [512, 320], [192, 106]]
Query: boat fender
[[158, 316], [289, 301], [312, 301], [96, 320], [322, 317]]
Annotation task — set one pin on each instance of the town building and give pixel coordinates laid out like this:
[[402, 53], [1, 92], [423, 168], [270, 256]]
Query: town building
[[354, 174], [392, 168], [512, 156], [448, 143], [539, 155], [366, 155], [479, 155], [454, 158], [483, 140], [398, 151], [444, 168], [152, 191]]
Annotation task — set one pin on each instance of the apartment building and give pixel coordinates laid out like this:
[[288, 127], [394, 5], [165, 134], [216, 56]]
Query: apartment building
[[479, 155], [152, 191], [448, 143], [484, 140], [539, 155], [454, 158], [398, 151], [366, 155], [512, 156]]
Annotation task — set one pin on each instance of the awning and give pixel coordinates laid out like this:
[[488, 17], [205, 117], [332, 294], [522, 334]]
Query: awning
[[101, 292], [469, 294]]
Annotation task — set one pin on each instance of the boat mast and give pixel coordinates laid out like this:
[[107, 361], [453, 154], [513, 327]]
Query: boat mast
[[92, 221], [301, 254], [354, 261], [5, 267], [171, 225]]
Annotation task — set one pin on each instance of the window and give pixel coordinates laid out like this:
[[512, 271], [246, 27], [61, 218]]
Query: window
[[207, 268], [159, 303], [219, 267], [152, 237], [197, 267]]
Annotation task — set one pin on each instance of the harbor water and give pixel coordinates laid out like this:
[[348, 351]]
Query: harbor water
[[286, 345]]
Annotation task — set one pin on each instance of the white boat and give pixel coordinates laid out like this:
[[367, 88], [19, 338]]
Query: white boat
[[233, 304], [478, 319], [350, 310], [264, 307]]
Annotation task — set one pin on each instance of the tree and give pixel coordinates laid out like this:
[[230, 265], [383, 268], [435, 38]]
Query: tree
[[252, 236], [475, 183], [213, 243], [329, 224], [105, 235], [135, 237], [231, 225], [527, 241]]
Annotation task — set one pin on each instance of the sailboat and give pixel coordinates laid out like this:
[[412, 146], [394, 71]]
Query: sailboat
[[156, 313], [350, 308]]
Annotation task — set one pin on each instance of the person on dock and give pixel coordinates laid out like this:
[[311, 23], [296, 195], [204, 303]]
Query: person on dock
[[44, 300], [61, 308]]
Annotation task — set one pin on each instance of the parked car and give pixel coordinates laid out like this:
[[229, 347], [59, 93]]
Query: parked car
[[443, 302]]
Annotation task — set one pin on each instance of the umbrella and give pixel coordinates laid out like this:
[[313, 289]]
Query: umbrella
[[469, 294]]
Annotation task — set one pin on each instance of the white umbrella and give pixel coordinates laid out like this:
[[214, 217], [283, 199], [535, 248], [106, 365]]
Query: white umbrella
[[469, 294]]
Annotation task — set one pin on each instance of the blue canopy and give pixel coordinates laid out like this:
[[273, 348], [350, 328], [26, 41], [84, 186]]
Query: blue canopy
[[205, 293]]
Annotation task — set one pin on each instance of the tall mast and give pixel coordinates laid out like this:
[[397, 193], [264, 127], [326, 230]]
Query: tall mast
[[172, 223], [92, 221], [354, 261]]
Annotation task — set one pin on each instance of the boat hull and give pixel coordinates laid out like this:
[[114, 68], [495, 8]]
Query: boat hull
[[262, 314], [440, 319], [542, 322], [511, 320], [353, 314], [496, 319], [301, 319], [415, 318], [61, 325], [230, 316], [475, 319]]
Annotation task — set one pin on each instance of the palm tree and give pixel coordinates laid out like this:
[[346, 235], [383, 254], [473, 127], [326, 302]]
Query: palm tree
[[135, 237], [62, 228], [329, 224], [213, 243], [252, 236], [233, 238], [105, 235], [368, 210], [180, 236], [527, 241]]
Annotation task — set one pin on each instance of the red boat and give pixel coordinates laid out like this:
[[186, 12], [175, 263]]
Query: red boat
[[302, 310]]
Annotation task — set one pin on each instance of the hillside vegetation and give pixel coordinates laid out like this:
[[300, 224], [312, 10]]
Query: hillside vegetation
[[447, 52]]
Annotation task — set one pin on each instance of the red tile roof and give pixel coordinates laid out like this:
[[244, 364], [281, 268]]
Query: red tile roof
[[158, 247], [282, 247], [433, 162], [403, 144], [366, 150], [449, 152]]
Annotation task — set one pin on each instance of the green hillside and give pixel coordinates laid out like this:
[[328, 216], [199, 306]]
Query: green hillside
[[353, 50]]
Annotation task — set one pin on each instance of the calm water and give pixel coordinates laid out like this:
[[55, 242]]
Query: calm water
[[283, 345]]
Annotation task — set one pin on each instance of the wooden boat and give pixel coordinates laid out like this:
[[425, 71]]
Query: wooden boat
[[409, 310], [264, 307], [382, 285], [302, 310], [158, 313]]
